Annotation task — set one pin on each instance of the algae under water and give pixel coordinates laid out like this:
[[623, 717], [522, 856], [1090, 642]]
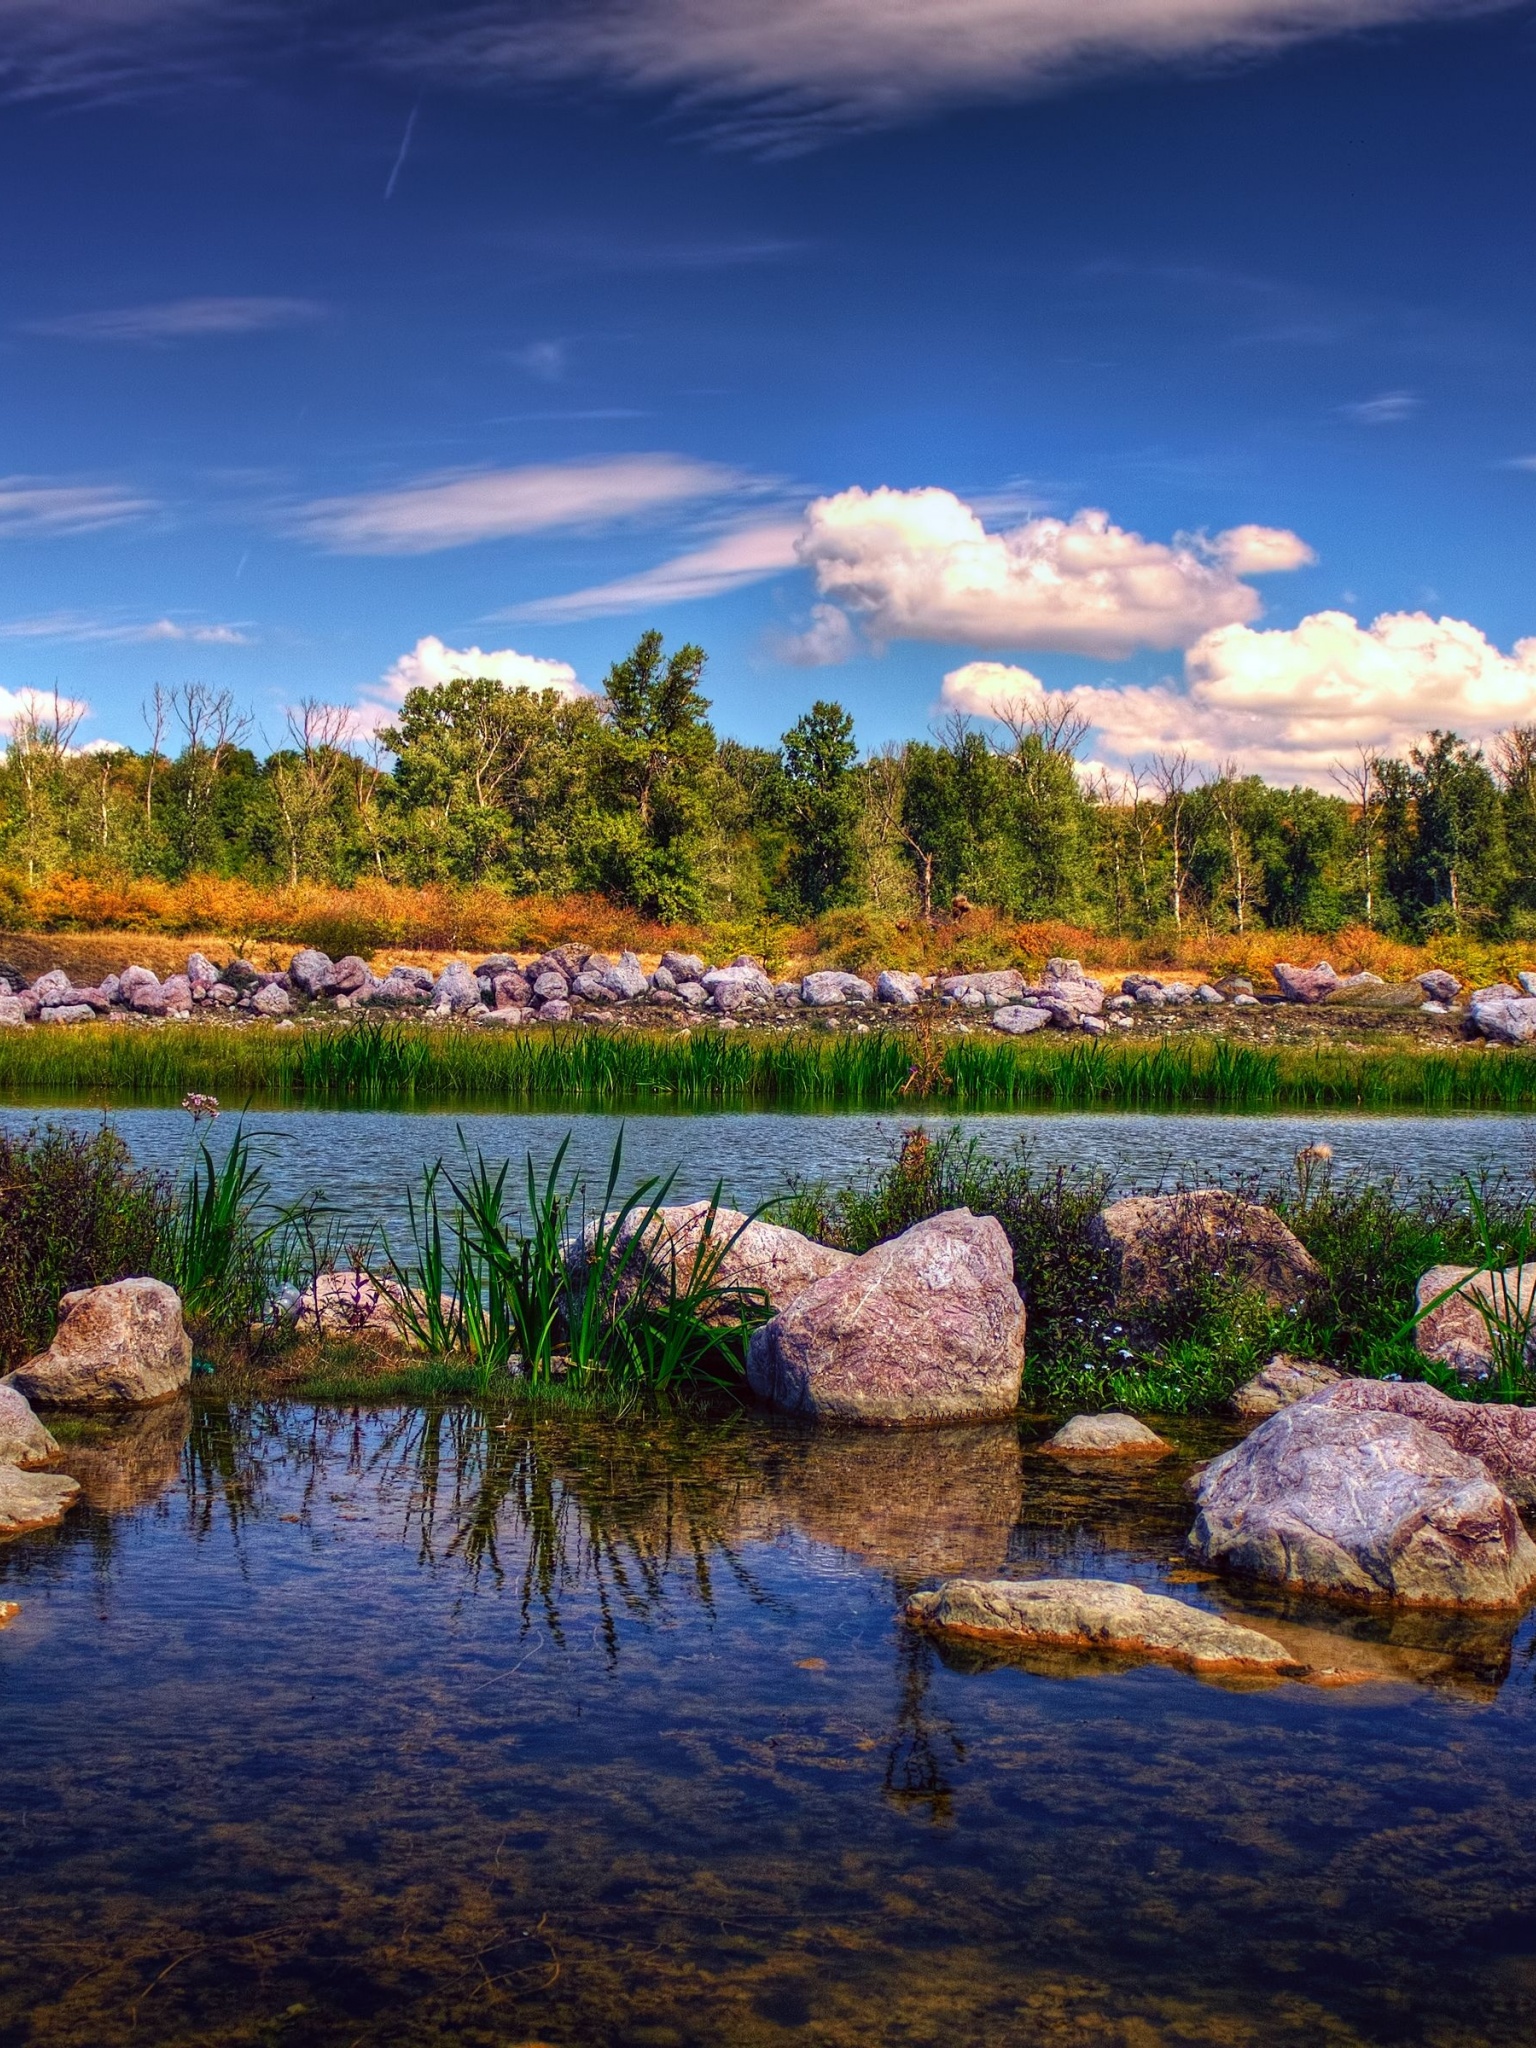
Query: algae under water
[[433, 1725]]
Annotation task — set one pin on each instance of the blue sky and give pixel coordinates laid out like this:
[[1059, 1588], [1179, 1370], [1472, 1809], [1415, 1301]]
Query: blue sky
[[339, 342]]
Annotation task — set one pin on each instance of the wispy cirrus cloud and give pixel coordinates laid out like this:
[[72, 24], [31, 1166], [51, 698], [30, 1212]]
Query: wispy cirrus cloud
[[461, 508], [173, 320], [33, 507], [79, 627], [1386, 409], [749, 555]]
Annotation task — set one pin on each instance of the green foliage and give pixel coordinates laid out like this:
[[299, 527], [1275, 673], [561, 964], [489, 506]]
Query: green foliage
[[653, 771], [822, 809]]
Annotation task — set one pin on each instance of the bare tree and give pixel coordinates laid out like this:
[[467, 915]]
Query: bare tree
[[881, 829], [1054, 719], [304, 778], [1170, 774], [211, 728], [1514, 761], [1222, 792], [40, 745], [1361, 785], [154, 714]]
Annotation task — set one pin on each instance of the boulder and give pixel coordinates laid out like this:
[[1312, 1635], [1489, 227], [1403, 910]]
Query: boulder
[[1527, 981], [592, 988], [693, 995], [1305, 984], [1455, 1332], [828, 987], [396, 987], [996, 987], [201, 972], [34, 1500], [1278, 1384], [221, 995], [350, 976], [926, 1328], [1100, 1615], [12, 1011], [239, 974], [119, 1346], [742, 981], [1205, 993], [626, 978], [1106, 1436], [511, 990], [456, 991], [23, 1439], [176, 995], [67, 1013], [904, 990], [1017, 1019], [51, 988], [271, 1001], [554, 1011], [351, 1303], [1496, 992], [663, 982], [1509, 1020], [97, 999], [1351, 988], [1500, 1435], [1157, 1242], [551, 986], [766, 1258], [683, 967], [1325, 1497], [310, 971], [1439, 985]]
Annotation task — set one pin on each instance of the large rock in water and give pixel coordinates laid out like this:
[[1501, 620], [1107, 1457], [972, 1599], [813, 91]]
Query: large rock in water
[[1110, 1435], [927, 1328], [766, 1258], [23, 1440], [1158, 1243], [120, 1346], [1499, 1435], [33, 1500], [1456, 1333], [1331, 1498], [1102, 1615]]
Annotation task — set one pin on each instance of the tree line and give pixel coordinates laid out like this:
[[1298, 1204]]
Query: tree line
[[632, 795]]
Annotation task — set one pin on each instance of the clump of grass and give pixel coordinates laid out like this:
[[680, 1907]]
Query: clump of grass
[[73, 1213]]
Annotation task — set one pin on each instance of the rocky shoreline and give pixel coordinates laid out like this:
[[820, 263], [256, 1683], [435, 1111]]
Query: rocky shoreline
[[572, 985]]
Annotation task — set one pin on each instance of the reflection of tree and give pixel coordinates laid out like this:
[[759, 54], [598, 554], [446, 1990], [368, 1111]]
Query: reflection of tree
[[922, 1748]]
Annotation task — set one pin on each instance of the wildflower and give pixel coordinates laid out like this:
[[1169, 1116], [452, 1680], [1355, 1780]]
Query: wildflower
[[200, 1106]]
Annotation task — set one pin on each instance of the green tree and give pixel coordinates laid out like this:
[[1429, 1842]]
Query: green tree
[[823, 804], [655, 761], [1459, 867]]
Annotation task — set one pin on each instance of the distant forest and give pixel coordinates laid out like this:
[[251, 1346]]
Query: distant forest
[[632, 796]]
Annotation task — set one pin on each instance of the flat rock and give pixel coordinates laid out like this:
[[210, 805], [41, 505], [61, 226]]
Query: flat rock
[[1456, 1333], [1156, 1242], [120, 1346], [1099, 1615], [1278, 1384], [34, 1500], [1327, 1497], [924, 1329], [1018, 1019], [23, 1440], [1106, 1436]]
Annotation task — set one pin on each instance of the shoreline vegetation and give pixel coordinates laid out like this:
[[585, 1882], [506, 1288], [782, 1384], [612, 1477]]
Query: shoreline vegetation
[[397, 1064], [515, 1285]]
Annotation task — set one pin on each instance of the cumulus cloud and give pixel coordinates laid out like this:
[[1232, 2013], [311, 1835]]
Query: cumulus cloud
[[789, 68], [749, 555], [984, 689], [1291, 702], [180, 320], [919, 565], [40, 507], [431, 662], [462, 507], [44, 705], [827, 642]]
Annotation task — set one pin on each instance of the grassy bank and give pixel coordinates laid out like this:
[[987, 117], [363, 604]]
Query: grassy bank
[[410, 1065]]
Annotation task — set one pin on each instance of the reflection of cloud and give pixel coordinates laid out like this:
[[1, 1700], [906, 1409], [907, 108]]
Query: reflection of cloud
[[181, 320], [919, 565], [747, 556], [1385, 410], [463, 507], [75, 626], [1292, 702], [38, 506]]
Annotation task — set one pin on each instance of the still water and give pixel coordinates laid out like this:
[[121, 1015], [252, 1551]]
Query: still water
[[365, 1161], [348, 1729]]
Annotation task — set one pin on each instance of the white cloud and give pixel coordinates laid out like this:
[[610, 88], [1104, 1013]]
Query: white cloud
[[1291, 702], [181, 320], [75, 626], [461, 508], [32, 506], [1387, 409], [40, 704], [983, 689], [749, 555], [827, 642], [792, 66], [431, 662], [919, 565]]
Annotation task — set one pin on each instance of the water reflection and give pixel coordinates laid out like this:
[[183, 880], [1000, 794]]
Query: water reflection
[[354, 1729]]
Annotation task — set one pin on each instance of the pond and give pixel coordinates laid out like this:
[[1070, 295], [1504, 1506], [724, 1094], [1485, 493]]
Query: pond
[[366, 1161], [349, 1729]]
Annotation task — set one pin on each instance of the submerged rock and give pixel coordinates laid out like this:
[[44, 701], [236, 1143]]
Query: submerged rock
[[120, 1346], [34, 1500], [1333, 1499], [1099, 1615], [23, 1440], [1278, 1384], [1106, 1436], [927, 1328]]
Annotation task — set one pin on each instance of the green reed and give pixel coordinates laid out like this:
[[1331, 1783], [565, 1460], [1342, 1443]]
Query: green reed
[[402, 1064]]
